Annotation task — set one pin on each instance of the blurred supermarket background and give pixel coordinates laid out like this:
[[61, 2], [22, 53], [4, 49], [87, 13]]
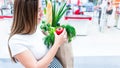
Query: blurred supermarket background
[[97, 42]]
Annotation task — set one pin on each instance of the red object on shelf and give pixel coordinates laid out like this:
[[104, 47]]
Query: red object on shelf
[[2, 17], [78, 12], [82, 13], [78, 3], [77, 17]]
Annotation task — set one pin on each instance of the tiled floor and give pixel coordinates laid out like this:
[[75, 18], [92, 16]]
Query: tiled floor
[[96, 50], [98, 43], [97, 62]]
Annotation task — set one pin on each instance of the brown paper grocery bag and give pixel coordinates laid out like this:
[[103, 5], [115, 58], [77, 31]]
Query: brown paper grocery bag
[[65, 55]]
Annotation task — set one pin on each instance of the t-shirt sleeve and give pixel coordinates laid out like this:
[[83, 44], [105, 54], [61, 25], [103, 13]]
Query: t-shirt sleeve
[[17, 45]]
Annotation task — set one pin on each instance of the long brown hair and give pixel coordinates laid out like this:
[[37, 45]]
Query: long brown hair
[[25, 18]]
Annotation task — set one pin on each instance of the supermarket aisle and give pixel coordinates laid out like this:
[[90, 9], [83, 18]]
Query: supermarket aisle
[[96, 50]]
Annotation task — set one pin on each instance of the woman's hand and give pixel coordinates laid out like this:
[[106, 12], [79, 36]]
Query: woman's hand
[[60, 39]]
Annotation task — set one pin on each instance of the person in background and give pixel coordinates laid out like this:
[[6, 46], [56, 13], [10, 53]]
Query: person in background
[[89, 6], [10, 6], [26, 43], [117, 15], [110, 11], [102, 15]]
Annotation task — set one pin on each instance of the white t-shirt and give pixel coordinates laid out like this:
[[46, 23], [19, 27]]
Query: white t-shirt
[[34, 43]]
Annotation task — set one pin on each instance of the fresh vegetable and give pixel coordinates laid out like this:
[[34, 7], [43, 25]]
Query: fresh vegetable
[[54, 12], [49, 12], [51, 24], [59, 30], [71, 32], [49, 39]]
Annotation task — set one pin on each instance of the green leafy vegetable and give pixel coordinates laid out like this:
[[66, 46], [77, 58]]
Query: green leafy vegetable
[[57, 13], [49, 39]]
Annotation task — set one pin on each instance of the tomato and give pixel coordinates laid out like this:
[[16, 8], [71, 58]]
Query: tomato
[[59, 30]]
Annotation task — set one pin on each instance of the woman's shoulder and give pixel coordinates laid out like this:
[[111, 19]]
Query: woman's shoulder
[[17, 44], [17, 38]]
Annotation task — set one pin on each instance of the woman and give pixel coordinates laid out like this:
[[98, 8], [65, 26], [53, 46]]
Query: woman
[[26, 41]]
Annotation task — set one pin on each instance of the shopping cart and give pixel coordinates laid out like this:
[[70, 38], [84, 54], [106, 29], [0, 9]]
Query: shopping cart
[[80, 22]]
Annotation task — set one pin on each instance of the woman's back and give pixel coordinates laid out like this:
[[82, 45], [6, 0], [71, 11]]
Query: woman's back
[[33, 42]]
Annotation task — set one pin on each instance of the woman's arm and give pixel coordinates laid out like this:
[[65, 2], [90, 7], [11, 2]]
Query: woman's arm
[[28, 60]]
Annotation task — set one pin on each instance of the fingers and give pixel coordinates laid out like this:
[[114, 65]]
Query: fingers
[[65, 35], [64, 32], [62, 37], [55, 33]]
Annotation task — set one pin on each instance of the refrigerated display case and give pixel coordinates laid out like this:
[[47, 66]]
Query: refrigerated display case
[[80, 22]]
